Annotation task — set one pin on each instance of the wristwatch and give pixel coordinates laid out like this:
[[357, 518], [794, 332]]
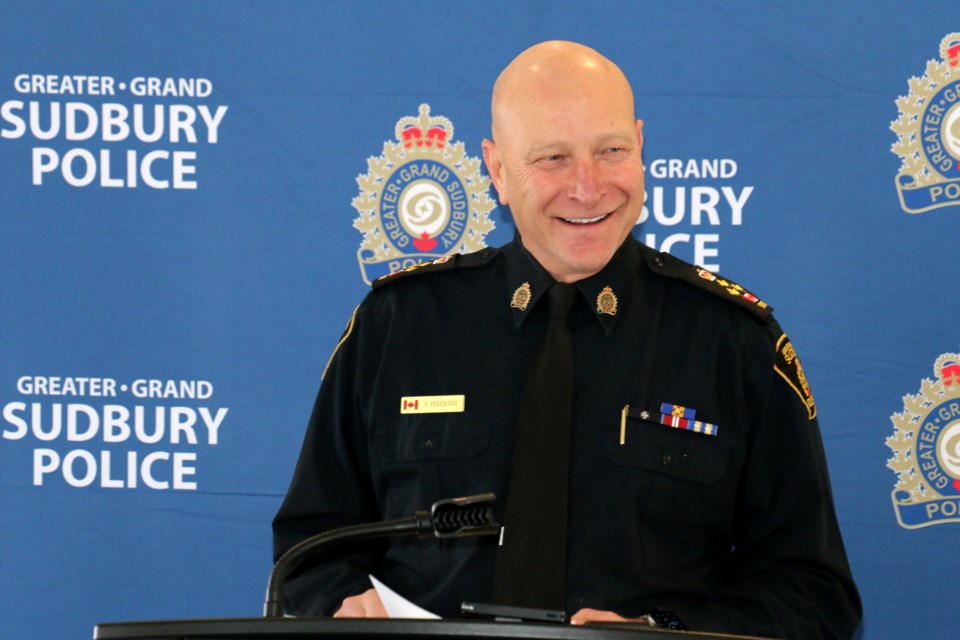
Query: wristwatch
[[664, 619]]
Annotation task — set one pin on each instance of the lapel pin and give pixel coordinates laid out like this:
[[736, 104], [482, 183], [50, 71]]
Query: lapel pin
[[521, 297], [607, 302]]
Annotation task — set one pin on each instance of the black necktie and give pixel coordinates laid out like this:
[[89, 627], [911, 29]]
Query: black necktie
[[531, 561]]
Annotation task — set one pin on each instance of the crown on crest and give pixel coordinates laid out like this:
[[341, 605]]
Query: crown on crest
[[947, 368], [424, 131], [950, 49]]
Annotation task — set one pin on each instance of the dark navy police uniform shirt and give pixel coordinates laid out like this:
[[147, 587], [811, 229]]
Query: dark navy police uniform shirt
[[733, 532]]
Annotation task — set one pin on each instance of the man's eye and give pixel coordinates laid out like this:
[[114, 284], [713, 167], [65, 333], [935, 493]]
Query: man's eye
[[550, 160]]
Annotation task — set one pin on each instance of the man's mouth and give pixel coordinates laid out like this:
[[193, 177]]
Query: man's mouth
[[586, 220]]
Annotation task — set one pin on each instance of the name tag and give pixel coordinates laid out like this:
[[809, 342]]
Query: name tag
[[433, 404]]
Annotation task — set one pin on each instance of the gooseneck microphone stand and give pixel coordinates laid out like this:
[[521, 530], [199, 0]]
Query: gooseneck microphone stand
[[450, 518]]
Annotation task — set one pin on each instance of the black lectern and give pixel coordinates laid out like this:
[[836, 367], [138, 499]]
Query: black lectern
[[381, 629], [454, 517]]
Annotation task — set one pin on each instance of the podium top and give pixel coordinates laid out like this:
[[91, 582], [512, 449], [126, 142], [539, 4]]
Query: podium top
[[386, 629]]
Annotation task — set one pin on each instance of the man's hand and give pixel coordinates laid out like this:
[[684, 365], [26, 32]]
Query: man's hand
[[365, 605], [596, 615]]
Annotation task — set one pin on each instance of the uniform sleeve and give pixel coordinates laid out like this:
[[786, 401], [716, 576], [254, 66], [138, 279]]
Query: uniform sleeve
[[788, 575], [331, 485]]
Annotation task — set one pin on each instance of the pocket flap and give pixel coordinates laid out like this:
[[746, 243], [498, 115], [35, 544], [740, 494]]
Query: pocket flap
[[406, 438], [668, 451]]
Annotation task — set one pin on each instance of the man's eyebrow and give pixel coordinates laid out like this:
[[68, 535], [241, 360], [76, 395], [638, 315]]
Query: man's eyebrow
[[620, 137], [615, 136], [545, 146]]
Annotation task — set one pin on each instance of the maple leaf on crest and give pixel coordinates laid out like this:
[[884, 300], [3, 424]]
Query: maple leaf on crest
[[425, 242]]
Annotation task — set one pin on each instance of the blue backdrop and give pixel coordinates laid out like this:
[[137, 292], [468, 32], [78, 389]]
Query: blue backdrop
[[180, 251]]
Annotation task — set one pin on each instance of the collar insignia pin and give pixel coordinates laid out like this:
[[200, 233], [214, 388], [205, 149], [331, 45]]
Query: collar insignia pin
[[607, 302], [521, 297]]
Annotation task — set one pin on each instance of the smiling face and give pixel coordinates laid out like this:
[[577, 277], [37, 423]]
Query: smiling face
[[566, 156]]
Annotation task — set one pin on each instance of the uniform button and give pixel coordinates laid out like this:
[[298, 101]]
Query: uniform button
[[426, 445], [658, 261], [666, 459]]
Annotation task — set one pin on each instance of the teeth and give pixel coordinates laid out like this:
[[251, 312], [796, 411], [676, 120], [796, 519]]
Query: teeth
[[586, 220]]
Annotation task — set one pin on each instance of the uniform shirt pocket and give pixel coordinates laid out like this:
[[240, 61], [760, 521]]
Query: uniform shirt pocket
[[686, 505], [676, 453], [432, 436], [423, 458]]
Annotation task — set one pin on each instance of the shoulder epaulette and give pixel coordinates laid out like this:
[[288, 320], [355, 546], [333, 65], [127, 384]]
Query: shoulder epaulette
[[454, 261], [673, 267]]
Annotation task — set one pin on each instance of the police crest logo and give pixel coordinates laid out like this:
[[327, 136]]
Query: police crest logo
[[928, 134], [607, 302], [926, 450], [421, 199]]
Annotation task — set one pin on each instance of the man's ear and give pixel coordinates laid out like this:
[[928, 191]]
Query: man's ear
[[491, 157]]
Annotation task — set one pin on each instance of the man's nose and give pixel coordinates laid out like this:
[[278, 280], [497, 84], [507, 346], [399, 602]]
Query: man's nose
[[587, 186]]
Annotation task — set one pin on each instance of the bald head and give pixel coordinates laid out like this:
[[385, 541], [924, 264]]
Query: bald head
[[551, 70], [566, 156]]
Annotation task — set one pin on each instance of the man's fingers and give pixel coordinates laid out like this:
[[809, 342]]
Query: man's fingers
[[595, 615], [365, 605]]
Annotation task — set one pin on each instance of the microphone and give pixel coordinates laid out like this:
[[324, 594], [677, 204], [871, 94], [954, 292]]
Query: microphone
[[449, 518]]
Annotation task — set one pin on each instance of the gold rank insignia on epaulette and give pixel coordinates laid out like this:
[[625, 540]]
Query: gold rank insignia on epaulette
[[787, 364], [727, 288], [443, 263], [673, 267]]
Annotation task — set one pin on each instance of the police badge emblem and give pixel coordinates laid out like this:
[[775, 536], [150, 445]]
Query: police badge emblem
[[420, 200], [787, 364], [521, 297], [926, 450], [928, 134], [607, 302]]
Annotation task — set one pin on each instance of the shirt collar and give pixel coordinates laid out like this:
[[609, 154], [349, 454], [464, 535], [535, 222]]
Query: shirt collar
[[605, 292]]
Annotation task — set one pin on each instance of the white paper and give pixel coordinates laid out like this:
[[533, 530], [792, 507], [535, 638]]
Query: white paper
[[397, 606]]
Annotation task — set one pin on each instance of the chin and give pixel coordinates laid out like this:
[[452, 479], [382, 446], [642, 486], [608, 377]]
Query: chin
[[594, 256], [586, 266]]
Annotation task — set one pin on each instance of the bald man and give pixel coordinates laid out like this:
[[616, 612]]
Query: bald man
[[698, 489]]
